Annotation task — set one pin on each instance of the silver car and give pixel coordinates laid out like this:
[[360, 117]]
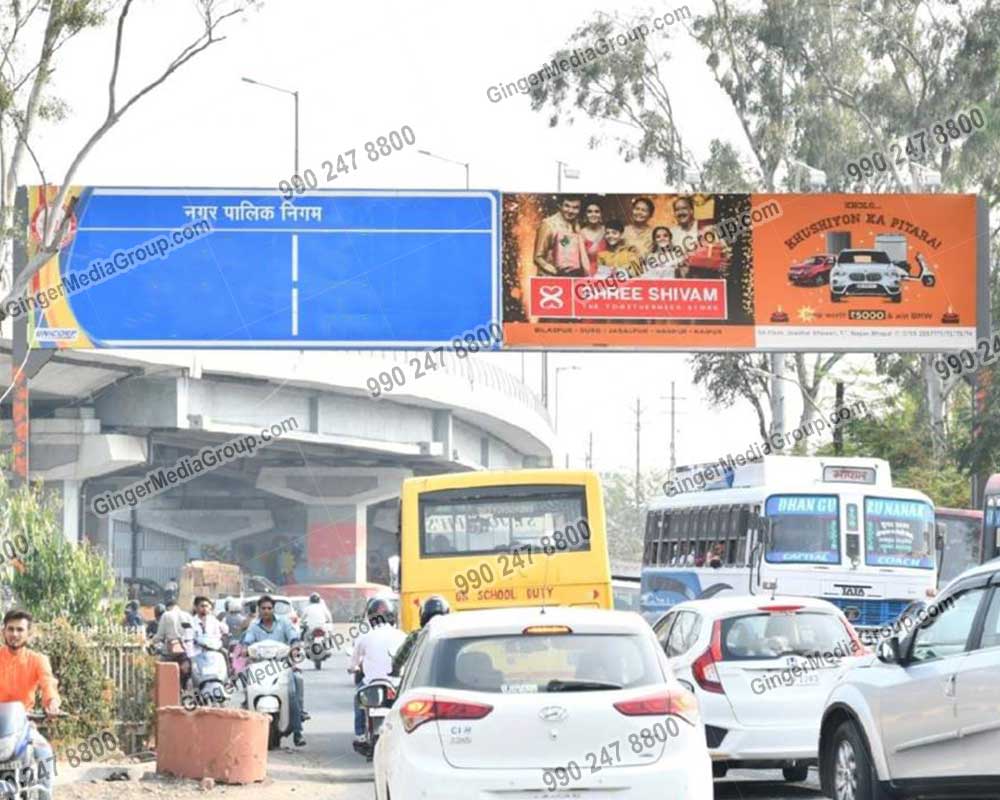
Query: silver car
[[923, 718]]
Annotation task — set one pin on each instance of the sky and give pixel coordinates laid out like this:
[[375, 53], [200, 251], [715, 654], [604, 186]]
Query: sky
[[363, 69]]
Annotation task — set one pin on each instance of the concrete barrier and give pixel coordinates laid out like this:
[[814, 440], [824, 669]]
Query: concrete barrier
[[167, 685], [227, 745]]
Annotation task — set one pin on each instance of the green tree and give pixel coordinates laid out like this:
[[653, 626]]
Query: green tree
[[625, 517], [51, 577], [901, 436], [31, 37]]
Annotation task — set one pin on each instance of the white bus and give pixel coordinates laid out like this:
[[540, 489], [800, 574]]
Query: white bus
[[833, 528]]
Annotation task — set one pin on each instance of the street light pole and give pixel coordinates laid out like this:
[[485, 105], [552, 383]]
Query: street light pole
[[465, 164], [295, 94]]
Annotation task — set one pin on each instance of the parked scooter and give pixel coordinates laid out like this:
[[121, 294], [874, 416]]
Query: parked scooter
[[21, 771], [376, 699], [269, 692]]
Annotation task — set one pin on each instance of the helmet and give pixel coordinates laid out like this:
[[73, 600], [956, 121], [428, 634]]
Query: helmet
[[314, 597], [432, 607], [159, 610], [378, 610]]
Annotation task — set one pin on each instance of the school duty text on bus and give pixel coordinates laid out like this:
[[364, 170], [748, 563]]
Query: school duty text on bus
[[503, 538], [833, 528]]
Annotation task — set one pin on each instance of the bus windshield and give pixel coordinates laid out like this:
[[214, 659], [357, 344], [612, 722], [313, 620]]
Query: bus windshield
[[805, 528], [899, 533], [503, 518]]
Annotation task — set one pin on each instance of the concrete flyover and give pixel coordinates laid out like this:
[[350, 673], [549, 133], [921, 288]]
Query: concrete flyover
[[316, 504]]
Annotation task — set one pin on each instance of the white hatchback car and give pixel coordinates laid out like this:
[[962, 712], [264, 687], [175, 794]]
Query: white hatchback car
[[541, 703], [761, 670]]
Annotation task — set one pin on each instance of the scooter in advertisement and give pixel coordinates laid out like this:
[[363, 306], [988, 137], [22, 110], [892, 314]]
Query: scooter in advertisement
[[267, 692], [376, 698], [23, 775]]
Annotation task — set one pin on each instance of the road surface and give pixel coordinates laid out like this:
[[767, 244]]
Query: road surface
[[329, 768]]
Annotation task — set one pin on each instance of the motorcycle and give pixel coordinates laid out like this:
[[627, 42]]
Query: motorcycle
[[269, 692], [375, 698], [21, 771], [318, 640]]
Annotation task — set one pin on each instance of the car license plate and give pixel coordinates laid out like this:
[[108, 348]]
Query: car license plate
[[865, 285], [808, 679]]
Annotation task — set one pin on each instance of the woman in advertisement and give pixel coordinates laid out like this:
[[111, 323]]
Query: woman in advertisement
[[592, 232]]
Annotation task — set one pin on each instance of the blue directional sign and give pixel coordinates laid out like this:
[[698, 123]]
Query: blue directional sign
[[187, 268]]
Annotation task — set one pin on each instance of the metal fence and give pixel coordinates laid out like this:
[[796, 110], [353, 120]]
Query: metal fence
[[123, 656]]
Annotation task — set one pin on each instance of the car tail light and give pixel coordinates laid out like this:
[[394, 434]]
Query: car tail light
[[857, 646], [679, 702], [706, 673], [319, 632], [780, 609], [425, 709], [546, 630]]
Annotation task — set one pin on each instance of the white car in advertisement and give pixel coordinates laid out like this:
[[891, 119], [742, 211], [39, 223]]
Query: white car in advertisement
[[866, 273]]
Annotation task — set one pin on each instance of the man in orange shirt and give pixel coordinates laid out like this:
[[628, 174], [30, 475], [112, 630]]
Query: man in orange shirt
[[22, 673]]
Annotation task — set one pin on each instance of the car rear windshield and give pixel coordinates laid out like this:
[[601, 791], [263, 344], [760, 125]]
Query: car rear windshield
[[518, 664], [773, 635]]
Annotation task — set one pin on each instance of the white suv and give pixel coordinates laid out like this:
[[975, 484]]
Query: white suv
[[864, 272], [923, 719]]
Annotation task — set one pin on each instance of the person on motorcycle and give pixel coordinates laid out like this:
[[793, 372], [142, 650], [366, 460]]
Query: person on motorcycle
[[154, 623], [235, 619], [24, 672], [373, 653], [132, 617], [316, 614], [176, 634], [268, 627], [433, 606]]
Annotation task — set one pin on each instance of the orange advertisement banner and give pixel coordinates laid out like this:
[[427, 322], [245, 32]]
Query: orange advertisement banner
[[740, 271]]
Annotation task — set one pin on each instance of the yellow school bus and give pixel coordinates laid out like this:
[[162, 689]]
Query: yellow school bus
[[504, 538]]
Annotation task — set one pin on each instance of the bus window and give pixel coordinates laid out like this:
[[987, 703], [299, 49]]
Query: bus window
[[899, 533], [962, 543]]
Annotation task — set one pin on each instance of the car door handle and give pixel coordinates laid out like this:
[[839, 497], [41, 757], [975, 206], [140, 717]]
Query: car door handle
[[949, 686]]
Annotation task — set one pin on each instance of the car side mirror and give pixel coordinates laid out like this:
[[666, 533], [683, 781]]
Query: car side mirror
[[375, 696], [888, 651]]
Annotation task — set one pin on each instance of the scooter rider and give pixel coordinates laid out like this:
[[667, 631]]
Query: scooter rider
[[22, 673], [207, 627], [373, 653], [433, 606], [268, 627]]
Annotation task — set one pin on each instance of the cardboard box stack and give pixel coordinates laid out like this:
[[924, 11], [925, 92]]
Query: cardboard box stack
[[210, 578]]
